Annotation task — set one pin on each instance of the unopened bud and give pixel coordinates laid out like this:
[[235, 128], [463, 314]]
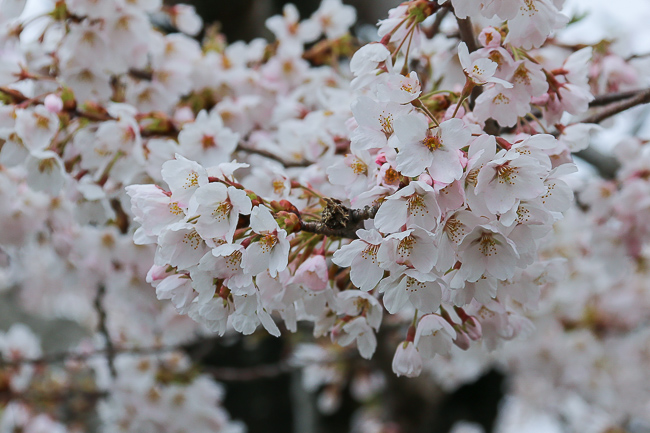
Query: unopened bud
[[473, 328], [53, 103], [288, 221], [462, 339]]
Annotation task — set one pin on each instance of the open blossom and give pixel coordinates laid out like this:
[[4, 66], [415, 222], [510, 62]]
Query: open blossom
[[433, 336], [154, 210], [407, 360], [36, 127], [398, 88], [358, 329], [180, 245], [287, 27], [217, 208], [485, 249], [334, 18], [376, 122], [271, 251], [408, 287], [312, 274], [207, 139], [414, 248], [361, 256], [534, 22], [479, 70], [183, 177], [354, 172], [413, 205], [505, 180], [436, 150]]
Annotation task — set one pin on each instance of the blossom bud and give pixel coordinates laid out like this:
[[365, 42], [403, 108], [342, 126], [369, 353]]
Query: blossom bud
[[424, 177], [183, 115], [185, 18], [288, 221], [462, 339], [53, 103], [407, 360], [473, 328]]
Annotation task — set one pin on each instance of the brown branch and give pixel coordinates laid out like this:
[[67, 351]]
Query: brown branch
[[271, 155], [608, 98], [103, 329], [641, 98], [340, 221], [435, 27], [466, 31], [141, 74], [16, 96]]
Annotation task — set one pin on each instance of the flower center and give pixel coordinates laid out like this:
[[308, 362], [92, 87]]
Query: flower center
[[386, 122], [268, 241], [370, 253], [405, 246], [222, 211], [175, 209], [506, 174], [191, 180], [359, 167], [488, 244], [192, 239], [432, 143], [416, 205]]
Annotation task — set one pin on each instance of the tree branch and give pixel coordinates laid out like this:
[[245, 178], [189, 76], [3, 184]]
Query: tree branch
[[103, 329], [340, 221], [270, 155], [641, 98], [435, 27], [608, 98], [466, 31]]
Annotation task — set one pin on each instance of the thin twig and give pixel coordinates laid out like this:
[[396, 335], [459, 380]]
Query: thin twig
[[435, 27], [612, 110], [271, 155], [608, 98], [103, 329]]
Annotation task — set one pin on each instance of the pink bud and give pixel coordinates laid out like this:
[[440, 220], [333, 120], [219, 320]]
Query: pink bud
[[473, 328], [381, 158], [53, 103], [424, 177], [183, 115], [156, 273], [462, 339]]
